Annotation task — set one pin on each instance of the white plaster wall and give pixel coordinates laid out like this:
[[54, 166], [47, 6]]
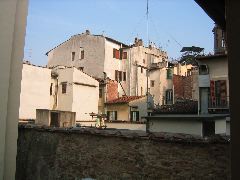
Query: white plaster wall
[[138, 79], [220, 126], [85, 98], [142, 106], [218, 69], [155, 91], [123, 113], [94, 54], [35, 94], [64, 101], [13, 17], [141, 127], [165, 84], [176, 126]]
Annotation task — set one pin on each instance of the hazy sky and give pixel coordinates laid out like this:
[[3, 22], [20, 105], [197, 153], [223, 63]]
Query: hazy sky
[[172, 24]]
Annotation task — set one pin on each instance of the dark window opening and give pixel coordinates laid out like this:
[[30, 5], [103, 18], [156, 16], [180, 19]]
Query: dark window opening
[[82, 54], [73, 56], [64, 88], [120, 75], [134, 116], [112, 115], [124, 76], [100, 93], [116, 75], [141, 70], [51, 89], [152, 83], [203, 69]]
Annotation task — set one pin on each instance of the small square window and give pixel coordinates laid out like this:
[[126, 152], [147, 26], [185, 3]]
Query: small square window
[[64, 87], [152, 83]]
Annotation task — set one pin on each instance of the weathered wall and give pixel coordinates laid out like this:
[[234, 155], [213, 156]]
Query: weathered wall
[[183, 87], [106, 154], [13, 19], [35, 92]]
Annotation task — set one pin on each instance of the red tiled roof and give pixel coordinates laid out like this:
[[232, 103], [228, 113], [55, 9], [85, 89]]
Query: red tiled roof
[[124, 99]]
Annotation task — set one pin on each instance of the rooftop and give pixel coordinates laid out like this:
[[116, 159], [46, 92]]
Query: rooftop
[[124, 99]]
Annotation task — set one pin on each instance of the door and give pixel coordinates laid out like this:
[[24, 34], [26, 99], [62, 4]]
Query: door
[[203, 100], [55, 119]]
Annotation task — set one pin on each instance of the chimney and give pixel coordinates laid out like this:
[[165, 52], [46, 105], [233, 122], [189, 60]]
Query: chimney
[[140, 42], [87, 32]]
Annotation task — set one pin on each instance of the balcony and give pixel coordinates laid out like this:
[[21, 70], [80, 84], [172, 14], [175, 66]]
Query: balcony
[[218, 105]]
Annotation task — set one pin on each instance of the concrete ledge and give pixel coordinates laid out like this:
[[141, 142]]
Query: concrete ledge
[[130, 134]]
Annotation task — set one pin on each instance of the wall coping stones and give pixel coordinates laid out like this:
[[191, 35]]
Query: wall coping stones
[[132, 134]]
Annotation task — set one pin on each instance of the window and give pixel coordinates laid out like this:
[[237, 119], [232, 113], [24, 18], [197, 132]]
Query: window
[[100, 93], [116, 54], [51, 89], [141, 70], [124, 76], [116, 75], [203, 69], [120, 75], [111, 115], [134, 116], [169, 96], [64, 87], [169, 73], [189, 72], [124, 55], [143, 61], [73, 56], [82, 54], [152, 83]]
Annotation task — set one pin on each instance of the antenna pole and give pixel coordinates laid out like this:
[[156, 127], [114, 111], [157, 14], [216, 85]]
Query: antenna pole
[[147, 25]]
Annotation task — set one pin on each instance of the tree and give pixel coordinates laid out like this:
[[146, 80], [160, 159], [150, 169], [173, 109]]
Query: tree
[[189, 55]]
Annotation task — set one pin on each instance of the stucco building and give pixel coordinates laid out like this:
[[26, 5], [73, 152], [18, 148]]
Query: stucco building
[[34, 94], [105, 58], [128, 108], [74, 91]]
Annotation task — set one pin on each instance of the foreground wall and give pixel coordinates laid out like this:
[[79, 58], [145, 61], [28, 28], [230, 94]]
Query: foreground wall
[[107, 154]]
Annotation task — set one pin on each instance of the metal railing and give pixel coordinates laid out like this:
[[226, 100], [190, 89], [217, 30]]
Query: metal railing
[[218, 103]]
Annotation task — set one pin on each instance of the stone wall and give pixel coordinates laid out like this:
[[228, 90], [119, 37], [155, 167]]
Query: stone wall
[[45, 153]]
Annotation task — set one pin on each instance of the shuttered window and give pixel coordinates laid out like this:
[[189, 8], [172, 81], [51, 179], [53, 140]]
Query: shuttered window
[[124, 55], [116, 75], [124, 76]]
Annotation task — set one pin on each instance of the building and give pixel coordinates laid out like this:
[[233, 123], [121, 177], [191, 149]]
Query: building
[[213, 83], [74, 91], [213, 77], [128, 108], [34, 94]]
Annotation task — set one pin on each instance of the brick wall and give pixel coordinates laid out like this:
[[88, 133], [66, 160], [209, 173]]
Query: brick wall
[[112, 90], [183, 86]]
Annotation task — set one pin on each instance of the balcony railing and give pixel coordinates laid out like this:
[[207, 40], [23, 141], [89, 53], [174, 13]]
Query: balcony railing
[[218, 103]]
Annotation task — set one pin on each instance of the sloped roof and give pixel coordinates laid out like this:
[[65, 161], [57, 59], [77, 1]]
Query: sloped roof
[[107, 38], [124, 99]]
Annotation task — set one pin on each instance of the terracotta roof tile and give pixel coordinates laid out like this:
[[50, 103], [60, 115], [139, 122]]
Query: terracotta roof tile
[[124, 99]]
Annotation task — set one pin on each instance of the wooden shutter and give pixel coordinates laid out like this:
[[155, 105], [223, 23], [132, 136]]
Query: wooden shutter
[[131, 116], [108, 115], [114, 53], [117, 56], [124, 55], [137, 115], [116, 115], [116, 75], [120, 75], [121, 54]]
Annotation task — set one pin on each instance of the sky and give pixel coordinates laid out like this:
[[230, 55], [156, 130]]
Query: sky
[[172, 24]]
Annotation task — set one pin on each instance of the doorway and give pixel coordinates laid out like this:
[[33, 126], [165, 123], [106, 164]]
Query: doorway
[[55, 119]]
